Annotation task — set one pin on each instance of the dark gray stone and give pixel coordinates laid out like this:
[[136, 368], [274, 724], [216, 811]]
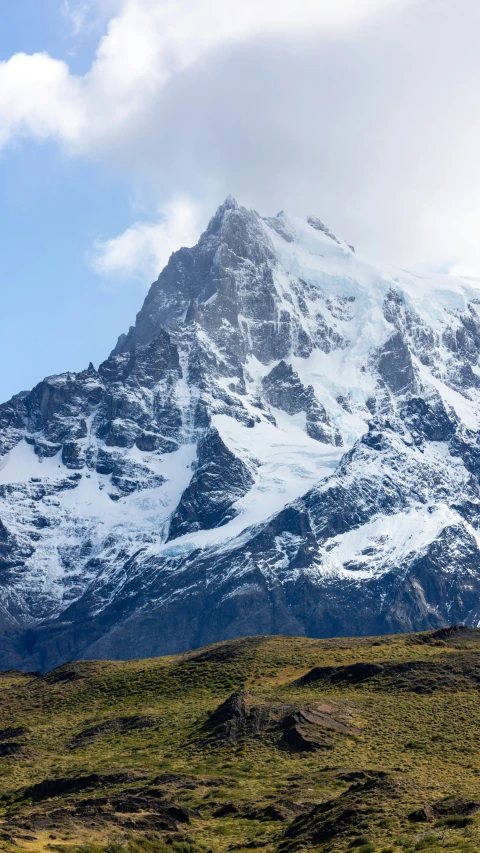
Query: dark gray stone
[[220, 479]]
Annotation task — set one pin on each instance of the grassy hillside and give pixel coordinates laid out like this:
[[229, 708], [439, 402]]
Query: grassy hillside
[[271, 743]]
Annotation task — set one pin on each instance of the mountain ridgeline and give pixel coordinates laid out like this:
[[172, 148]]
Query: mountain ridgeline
[[285, 442]]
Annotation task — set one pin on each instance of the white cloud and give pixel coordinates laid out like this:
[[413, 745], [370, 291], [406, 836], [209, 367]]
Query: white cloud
[[144, 249], [85, 17], [146, 43], [76, 14], [39, 97], [359, 110]]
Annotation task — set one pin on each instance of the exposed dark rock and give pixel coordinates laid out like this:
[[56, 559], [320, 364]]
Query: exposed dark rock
[[355, 673], [12, 732], [348, 815], [453, 635], [226, 810], [220, 479], [120, 725], [415, 676], [283, 389], [429, 419], [250, 811], [319, 226], [140, 809], [240, 716], [50, 788], [395, 365], [8, 750], [317, 727], [450, 807], [303, 729], [110, 453], [65, 673]]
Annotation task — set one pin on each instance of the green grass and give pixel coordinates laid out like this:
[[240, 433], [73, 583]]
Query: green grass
[[427, 744]]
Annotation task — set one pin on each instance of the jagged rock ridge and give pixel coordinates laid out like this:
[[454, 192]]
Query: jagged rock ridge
[[287, 440]]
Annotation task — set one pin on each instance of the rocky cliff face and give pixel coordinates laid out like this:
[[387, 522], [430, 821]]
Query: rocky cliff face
[[287, 441]]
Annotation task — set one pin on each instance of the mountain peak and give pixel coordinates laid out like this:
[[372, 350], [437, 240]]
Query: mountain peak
[[230, 203], [318, 225], [216, 221], [288, 436]]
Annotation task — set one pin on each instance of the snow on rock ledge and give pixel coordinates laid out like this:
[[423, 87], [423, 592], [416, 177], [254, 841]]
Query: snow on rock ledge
[[288, 439]]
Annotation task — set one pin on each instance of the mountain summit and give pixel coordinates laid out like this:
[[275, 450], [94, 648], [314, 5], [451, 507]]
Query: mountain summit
[[286, 441]]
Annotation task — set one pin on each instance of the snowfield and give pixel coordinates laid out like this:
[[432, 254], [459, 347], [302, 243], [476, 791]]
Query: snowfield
[[287, 440]]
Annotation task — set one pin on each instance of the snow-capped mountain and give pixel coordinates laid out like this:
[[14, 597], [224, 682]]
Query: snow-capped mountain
[[287, 441]]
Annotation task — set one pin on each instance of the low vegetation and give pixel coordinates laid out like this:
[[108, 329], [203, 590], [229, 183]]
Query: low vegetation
[[272, 743]]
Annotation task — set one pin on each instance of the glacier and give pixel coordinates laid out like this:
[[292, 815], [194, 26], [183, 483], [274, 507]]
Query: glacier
[[285, 441]]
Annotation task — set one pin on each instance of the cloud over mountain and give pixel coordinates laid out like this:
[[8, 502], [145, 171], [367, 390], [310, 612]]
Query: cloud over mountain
[[360, 109]]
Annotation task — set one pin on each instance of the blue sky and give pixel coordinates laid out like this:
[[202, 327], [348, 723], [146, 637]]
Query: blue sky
[[123, 123], [29, 28], [57, 314]]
